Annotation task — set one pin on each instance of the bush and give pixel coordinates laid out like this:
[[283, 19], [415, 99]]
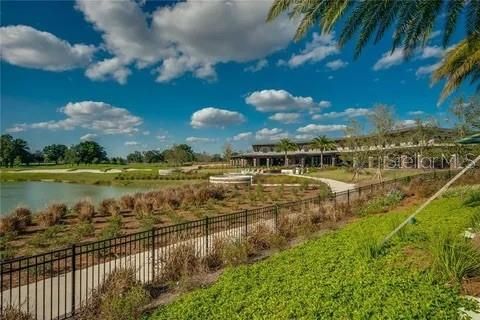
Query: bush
[[23, 216], [113, 228], [120, 297], [14, 313], [382, 203], [454, 258], [84, 210], [260, 238], [109, 207], [473, 199], [182, 262], [213, 260], [127, 202], [46, 219], [8, 224], [236, 252], [57, 210]]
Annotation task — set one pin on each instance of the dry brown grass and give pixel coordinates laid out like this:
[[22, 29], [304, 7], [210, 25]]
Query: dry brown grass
[[85, 210], [127, 202], [109, 207], [23, 216], [260, 238], [120, 297], [213, 260], [52, 214], [183, 261], [8, 224], [14, 313]]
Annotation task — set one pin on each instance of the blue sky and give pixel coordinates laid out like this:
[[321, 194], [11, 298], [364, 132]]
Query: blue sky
[[134, 76]]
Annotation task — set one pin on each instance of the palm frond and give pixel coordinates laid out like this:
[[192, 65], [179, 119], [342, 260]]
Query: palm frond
[[278, 7], [454, 7], [473, 18]]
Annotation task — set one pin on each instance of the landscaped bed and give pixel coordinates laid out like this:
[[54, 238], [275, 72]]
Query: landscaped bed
[[346, 274], [56, 226]]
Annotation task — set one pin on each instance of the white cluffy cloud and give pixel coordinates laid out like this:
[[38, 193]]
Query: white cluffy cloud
[[320, 128], [390, 59], [318, 49], [285, 117], [93, 115], [199, 140], [263, 63], [242, 136], [190, 36], [336, 64], [27, 47], [214, 117], [281, 100], [426, 70], [349, 112], [408, 123], [131, 143], [274, 134], [88, 137], [416, 113]]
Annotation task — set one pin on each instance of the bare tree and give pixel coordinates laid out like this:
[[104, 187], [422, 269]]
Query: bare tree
[[382, 121]]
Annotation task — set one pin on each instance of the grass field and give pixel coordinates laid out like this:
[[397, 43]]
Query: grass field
[[366, 176], [343, 275]]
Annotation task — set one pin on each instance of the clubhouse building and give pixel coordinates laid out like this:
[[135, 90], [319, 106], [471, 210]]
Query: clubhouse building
[[403, 150]]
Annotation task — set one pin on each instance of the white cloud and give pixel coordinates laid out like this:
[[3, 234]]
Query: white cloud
[[330, 77], [281, 100], [263, 63], [161, 137], [17, 128], [99, 116], [318, 49], [434, 34], [405, 123], [285, 117], [349, 112], [270, 134], [242, 136], [390, 59], [431, 52], [214, 117], [320, 128], [199, 140], [131, 143], [146, 133], [426, 70], [88, 137], [108, 69], [304, 136], [336, 64], [27, 47], [190, 36], [416, 113]]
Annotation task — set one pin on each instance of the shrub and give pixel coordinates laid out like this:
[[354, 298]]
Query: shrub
[[143, 206], [84, 210], [8, 224], [473, 199], [23, 216], [113, 228], [371, 248], [286, 228], [260, 238], [57, 210], [109, 207], [382, 203], [120, 297], [182, 262], [127, 202], [213, 260], [46, 219], [236, 252], [82, 230], [454, 258], [15, 313]]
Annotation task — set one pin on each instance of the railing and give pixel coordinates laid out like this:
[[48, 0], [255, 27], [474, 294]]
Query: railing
[[55, 284]]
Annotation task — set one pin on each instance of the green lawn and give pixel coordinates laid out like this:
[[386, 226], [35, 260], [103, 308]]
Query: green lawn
[[333, 278], [367, 175]]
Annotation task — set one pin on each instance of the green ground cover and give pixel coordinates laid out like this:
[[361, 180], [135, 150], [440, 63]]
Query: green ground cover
[[336, 277], [366, 176]]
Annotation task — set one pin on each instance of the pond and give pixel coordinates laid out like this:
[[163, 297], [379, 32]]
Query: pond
[[36, 195]]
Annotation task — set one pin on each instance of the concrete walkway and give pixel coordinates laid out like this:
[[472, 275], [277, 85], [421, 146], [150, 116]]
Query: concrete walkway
[[335, 185]]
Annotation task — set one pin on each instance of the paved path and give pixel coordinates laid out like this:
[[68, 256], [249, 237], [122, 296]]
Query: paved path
[[335, 185]]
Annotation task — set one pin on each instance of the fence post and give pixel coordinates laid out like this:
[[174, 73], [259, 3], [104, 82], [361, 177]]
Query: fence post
[[246, 223], [206, 235], [335, 200], [276, 217], [348, 196], [74, 268], [153, 253]]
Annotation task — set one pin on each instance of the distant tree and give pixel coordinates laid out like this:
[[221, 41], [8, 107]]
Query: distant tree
[[71, 156], [467, 114], [6, 149], [55, 152], [286, 145], [355, 140], [323, 144], [217, 158], [38, 156], [382, 121], [13, 151], [227, 152], [90, 152], [152, 156], [188, 151], [179, 154], [135, 157]]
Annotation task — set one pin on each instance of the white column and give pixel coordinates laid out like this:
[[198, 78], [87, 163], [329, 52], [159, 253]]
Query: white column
[[254, 162], [370, 162]]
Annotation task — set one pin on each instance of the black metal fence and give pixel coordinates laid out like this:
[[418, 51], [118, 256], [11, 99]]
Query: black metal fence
[[55, 284]]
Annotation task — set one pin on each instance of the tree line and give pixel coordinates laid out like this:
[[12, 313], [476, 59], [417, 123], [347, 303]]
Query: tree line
[[16, 151]]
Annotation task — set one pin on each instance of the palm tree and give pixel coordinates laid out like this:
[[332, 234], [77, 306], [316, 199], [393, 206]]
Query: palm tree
[[412, 23], [323, 144], [286, 145], [460, 63]]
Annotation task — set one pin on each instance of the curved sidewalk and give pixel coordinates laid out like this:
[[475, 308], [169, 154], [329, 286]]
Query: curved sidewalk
[[335, 185]]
